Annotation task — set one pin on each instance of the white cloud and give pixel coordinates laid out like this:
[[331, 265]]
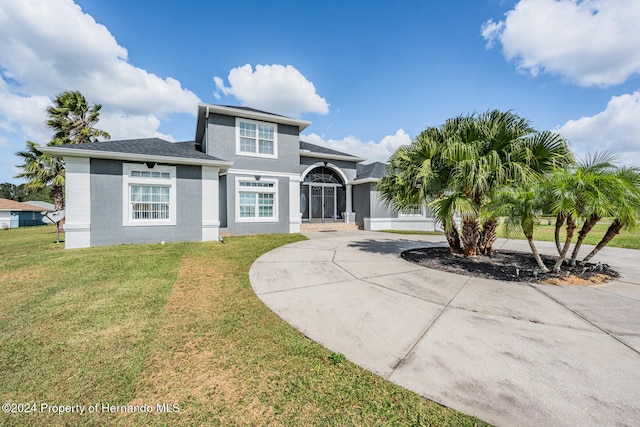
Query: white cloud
[[49, 46], [25, 114], [123, 126], [590, 42], [491, 32], [368, 150], [277, 88], [615, 129]]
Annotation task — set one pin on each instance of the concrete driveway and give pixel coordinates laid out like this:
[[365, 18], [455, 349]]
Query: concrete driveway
[[510, 354]]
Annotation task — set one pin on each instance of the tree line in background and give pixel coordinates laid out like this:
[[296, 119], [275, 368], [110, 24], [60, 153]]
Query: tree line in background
[[72, 121], [20, 193], [481, 168]]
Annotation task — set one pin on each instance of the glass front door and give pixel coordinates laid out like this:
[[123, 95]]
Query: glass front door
[[317, 200], [322, 195], [329, 211], [322, 203]]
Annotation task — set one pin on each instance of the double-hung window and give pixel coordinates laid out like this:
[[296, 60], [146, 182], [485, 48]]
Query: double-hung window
[[257, 139], [256, 201], [149, 195]]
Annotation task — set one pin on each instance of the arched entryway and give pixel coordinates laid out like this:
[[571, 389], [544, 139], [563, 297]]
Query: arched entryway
[[322, 195]]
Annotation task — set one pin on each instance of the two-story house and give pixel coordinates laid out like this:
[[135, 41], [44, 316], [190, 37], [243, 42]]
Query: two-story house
[[246, 172]]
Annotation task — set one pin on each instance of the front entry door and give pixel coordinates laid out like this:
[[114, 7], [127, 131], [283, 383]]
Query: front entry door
[[323, 202], [329, 203]]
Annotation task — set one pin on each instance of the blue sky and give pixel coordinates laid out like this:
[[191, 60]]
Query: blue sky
[[369, 75]]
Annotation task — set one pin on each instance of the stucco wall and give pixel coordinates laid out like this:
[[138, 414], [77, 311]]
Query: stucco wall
[[377, 208], [107, 211], [221, 143], [361, 204], [233, 226]]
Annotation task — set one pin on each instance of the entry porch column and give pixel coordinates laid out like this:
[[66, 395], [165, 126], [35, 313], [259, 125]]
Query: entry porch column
[[350, 216]]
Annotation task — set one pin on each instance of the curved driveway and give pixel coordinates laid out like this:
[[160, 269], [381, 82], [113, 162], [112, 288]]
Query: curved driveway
[[510, 354]]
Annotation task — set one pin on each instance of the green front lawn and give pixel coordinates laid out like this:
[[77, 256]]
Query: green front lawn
[[545, 232], [136, 326]]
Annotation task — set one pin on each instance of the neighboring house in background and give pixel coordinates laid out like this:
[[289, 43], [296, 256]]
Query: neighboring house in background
[[246, 172], [45, 206], [17, 214]]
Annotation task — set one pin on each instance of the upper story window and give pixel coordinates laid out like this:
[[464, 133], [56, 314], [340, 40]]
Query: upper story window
[[259, 139]]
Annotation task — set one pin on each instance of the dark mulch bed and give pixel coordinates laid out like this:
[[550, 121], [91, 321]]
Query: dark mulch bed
[[510, 266]]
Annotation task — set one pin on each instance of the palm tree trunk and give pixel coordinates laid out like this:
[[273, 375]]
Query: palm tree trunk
[[571, 226], [560, 218], [586, 228], [453, 238], [612, 232], [536, 255], [57, 193], [470, 234], [487, 236]]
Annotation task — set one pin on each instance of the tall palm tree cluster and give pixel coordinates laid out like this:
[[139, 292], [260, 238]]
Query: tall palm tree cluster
[[72, 121], [476, 170]]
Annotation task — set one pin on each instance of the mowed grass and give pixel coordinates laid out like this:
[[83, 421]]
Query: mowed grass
[[629, 239], [172, 324]]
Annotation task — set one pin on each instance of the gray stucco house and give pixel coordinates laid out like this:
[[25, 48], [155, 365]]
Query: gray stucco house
[[246, 172]]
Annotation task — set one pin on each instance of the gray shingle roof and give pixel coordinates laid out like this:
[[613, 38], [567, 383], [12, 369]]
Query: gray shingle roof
[[321, 150], [253, 110], [372, 170], [146, 146]]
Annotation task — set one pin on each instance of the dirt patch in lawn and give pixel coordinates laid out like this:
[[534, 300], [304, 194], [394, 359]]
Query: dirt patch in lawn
[[510, 266]]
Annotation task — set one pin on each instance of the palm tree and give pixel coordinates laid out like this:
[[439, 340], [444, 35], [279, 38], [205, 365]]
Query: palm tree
[[456, 167], [43, 171], [626, 208], [414, 174], [562, 192], [588, 191], [598, 186], [72, 122], [519, 206]]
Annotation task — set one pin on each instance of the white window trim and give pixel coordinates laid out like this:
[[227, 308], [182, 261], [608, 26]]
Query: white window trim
[[422, 214], [128, 181], [273, 190], [256, 153]]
